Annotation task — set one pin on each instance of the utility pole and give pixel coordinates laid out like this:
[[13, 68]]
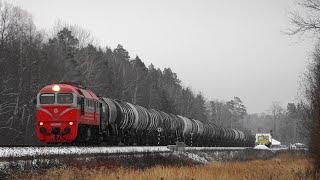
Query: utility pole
[[274, 124], [271, 136]]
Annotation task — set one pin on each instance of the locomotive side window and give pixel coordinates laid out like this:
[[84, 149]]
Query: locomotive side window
[[81, 104], [65, 98], [47, 98]]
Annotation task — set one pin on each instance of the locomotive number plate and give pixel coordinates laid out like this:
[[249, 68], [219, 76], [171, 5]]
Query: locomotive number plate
[[55, 124]]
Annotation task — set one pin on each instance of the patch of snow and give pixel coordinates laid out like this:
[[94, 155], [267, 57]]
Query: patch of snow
[[299, 144], [196, 158], [279, 148], [262, 147], [215, 148], [275, 142], [44, 151], [191, 156]]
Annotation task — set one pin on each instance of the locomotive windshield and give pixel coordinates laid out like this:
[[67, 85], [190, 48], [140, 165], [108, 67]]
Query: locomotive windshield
[[65, 98], [47, 98]]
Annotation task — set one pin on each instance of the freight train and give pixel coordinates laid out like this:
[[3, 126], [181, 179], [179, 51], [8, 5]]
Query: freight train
[[70, 113]]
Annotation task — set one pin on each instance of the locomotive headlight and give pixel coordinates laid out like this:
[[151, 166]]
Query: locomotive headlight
[[56, 88], [70, 123], [41, 123]]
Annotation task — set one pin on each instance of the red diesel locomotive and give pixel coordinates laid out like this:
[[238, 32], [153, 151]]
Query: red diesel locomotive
[[64, 111]]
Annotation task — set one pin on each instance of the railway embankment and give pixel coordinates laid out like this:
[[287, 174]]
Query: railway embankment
[[13, 159]]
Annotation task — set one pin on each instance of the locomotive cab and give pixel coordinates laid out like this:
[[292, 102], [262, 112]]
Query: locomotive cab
[[56, 114], [63, 109]]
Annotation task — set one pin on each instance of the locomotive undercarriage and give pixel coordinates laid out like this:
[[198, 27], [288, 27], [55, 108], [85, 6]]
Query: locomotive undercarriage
[[90, 135]]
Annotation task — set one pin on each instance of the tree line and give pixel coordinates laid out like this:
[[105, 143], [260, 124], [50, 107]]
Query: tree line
[[307, 21], [31, 59]]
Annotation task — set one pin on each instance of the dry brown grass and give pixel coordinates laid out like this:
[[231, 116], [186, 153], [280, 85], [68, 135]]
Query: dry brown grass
[[281, 167]]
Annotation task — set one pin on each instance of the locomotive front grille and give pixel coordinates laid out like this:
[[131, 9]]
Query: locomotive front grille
[[55, 130]]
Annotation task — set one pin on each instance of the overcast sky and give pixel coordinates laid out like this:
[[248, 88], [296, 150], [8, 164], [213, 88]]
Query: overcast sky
[[221, 48]]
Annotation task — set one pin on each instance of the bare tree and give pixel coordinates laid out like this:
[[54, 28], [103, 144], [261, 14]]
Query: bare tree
[[84, 36], [276, 111], [307, 21]]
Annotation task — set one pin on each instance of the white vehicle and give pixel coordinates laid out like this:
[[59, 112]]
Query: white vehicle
[[263, 139]]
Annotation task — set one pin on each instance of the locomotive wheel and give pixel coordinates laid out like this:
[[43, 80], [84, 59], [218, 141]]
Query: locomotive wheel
[[88, 134], [96, 138], [81, 136]]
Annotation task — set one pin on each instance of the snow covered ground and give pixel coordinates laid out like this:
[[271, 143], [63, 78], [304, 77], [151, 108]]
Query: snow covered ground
[[6, 152], [216, 148], [261, 147], [32, 158], [36, 158]]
